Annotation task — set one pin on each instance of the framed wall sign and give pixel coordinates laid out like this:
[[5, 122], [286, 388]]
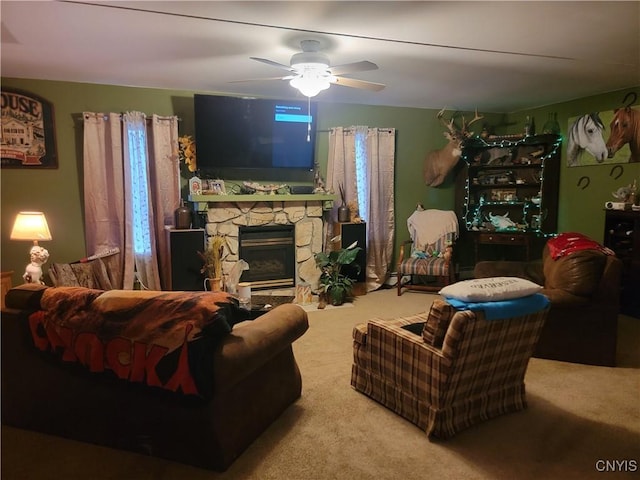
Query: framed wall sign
[[27, 139]]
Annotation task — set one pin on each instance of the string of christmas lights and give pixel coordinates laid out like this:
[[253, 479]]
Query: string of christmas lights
[[473, 207]]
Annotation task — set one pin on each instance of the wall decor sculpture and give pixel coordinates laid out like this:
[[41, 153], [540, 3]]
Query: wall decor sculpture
[[27, 138]]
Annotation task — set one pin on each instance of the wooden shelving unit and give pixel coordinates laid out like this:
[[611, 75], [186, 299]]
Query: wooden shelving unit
[[622, 235], [513, 176]]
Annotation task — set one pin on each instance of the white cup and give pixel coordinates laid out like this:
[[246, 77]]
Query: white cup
[[244, 293]]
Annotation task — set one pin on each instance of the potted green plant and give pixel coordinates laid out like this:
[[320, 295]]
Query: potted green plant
[[335, 285]]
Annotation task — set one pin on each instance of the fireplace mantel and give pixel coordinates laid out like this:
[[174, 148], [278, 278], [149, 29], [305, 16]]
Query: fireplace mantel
[[323, 197], [204, 200]]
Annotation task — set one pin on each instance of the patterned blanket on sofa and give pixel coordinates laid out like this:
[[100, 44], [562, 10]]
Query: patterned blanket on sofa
[[161, 339]]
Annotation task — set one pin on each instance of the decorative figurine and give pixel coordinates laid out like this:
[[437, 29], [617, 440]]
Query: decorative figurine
[[195, 186], [633, 195], [501, 222], [354, 212], [318, 181], [622, 194], [33, 272]]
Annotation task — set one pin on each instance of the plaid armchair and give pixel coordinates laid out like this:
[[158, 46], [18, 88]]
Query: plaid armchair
[[455, 369], [436, 261], [429, 253]]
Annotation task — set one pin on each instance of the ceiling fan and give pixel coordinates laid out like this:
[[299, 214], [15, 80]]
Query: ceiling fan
[[310, 71]]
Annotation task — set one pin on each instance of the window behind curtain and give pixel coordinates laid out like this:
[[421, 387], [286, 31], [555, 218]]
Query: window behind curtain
[[362, 176], [140, 207]]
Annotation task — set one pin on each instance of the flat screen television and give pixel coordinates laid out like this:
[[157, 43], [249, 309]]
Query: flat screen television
[[255, 139]]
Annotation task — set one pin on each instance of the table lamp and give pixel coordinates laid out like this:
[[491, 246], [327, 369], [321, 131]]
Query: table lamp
[[32, 226]]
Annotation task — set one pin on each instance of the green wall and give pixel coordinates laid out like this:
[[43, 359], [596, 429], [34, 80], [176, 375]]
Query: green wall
[[582, 210], [59, 192]]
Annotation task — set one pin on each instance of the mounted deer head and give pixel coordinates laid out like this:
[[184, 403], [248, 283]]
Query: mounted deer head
[[438, 163]]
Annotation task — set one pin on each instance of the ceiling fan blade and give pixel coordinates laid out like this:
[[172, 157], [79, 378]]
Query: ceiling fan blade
[[262, 79], [272, 63], [352, 82], [353, 67]]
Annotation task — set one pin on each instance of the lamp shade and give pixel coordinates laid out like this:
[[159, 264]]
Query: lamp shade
[[30, 226]]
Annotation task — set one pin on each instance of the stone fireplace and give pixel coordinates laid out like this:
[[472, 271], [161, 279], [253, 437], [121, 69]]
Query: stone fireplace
[[305, 216]]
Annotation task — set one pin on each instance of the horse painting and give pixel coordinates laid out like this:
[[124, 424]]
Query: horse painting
[[586, 135], [625, 128]]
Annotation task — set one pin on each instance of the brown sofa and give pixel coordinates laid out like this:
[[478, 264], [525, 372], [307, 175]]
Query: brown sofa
[[251, 371], [584, 290]]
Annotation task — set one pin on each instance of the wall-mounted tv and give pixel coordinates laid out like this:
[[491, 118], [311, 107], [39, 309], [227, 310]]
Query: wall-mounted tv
[[255, 139]]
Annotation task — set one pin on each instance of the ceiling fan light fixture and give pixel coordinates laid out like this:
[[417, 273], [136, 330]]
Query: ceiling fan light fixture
[[310, 72], [310, 87], [309, 58], [312, 78]]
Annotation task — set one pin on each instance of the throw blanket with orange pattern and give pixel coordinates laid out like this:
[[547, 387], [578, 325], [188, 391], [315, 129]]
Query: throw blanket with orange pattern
[[161, 339]]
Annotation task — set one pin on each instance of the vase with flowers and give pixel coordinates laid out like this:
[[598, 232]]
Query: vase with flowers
[[212, 263]]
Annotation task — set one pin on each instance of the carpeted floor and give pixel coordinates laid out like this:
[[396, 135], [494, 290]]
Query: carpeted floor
[[578, 418]]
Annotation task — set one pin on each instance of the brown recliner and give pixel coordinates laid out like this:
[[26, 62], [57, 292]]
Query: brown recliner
[[584, 290]]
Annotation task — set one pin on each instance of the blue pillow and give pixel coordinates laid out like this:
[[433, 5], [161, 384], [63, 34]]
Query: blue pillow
[[502, 309]]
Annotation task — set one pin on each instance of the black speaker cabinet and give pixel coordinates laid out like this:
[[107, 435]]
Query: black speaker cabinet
[[185, 262], [354, 232]]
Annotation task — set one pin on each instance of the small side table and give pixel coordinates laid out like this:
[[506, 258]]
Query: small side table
[[6, 285]]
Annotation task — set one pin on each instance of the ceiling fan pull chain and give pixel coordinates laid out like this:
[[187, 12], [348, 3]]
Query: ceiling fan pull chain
[[308, 119]]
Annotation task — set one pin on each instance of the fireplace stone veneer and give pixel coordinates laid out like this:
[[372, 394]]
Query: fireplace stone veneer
[[226, 218]]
